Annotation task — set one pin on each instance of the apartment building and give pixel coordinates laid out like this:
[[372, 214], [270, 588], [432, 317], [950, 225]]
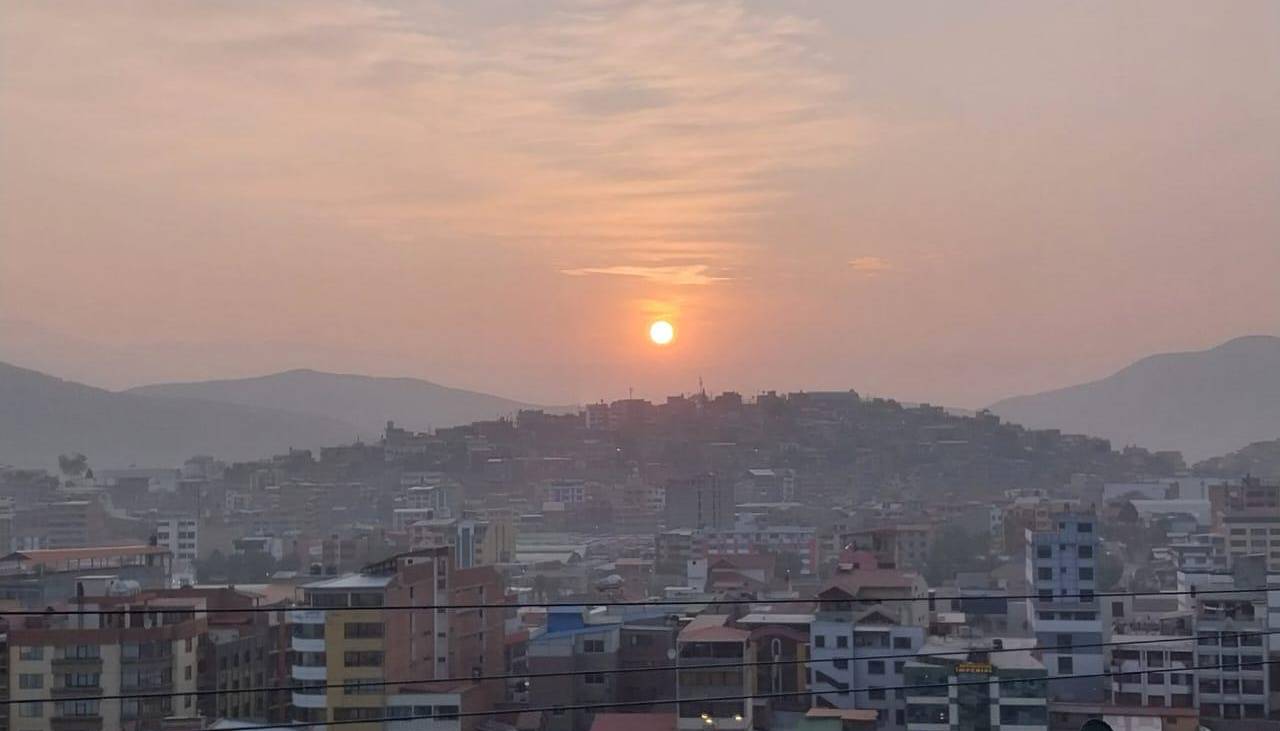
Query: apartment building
[[181, 536], [1061, 564], [1152, 690], [1232, 682], [575, 641], [75, 658], [850, 636], [344, 637], [948, 692], [904, 547], [1254, 533], [707, 640], [700, 502]]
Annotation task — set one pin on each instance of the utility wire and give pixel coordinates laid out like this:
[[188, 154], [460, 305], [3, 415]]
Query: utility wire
[[148, 609], [623, 671]]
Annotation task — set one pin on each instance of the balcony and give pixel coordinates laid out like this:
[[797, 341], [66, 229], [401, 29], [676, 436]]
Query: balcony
[[302, 644], [309, 672], [306, 616], [309, 700], [77, 664]]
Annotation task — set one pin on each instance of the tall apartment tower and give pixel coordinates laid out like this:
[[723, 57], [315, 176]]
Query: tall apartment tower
[[702, 501], [1061, 569], [346, 637]]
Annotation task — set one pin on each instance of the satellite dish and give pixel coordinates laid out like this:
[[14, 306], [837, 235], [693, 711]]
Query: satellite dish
[[1096, 724], [671, 654]]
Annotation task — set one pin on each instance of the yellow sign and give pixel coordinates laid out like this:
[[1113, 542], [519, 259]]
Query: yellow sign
[[981, 668]]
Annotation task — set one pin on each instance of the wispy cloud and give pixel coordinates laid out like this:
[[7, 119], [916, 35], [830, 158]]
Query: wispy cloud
[[633, 122], [870, 265], [693, 274]]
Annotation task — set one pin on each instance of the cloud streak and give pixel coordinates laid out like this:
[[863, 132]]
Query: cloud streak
[[870, 265], [693, 274]]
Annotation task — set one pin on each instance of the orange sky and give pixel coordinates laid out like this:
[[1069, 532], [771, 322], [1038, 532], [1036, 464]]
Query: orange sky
[[946, 202]]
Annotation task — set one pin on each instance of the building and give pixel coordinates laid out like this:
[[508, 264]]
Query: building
[[644, 645], [1253, 533], [75, 658], [344, 636], [1061, 563], [1073, 716], [37, 578], [180, 536], [1233, 682], [1152, 690], [948, 692], [767, 486], [700, 502], [705, 641], [851, 635], [904, 547], [575, 641]]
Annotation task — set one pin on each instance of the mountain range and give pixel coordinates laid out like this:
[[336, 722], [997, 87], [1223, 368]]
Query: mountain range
[[42, 416], [1202, 403]]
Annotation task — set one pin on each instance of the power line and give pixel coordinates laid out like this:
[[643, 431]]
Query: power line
[[754, 696], [147, 609], [623, 671]]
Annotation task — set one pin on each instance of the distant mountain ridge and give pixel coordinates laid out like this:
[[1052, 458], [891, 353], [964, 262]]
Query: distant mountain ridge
[[161, 425], [1202, 403], [42, 417], [368, 402]]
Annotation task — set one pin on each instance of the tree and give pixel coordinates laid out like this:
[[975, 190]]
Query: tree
[[954, 550], [73, 465]]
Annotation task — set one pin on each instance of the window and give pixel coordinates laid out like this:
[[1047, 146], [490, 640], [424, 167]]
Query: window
[[81, 680], [1085, 528], [1066, 665], [593, 646], [31, 709], [593, 679], [82, 651], [30, 652], [842, 641], [362, 630], [77, 708], [902, 643], [875, 667], [898, 666], [1086, 573], [1044, 573], [876, 694], [186, 673], [819, 641], [358, 659], [1085, 552], [1044, 552], [1117, 609], [1063, 640]]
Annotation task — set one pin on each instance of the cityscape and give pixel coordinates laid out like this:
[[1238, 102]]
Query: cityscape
[[639, 365], [808, 560]]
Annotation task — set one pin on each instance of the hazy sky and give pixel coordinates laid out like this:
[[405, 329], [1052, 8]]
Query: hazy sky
[[939, 201]]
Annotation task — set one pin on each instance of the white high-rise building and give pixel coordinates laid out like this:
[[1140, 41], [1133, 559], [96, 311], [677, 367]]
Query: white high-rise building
[[1061, 568]]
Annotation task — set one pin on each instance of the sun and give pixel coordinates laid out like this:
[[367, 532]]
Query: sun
[[661, 332]]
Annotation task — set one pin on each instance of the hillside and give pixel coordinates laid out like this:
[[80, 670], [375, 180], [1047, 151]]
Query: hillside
[[42, 416], [1260, 459], [1202, 403], [366, 401]]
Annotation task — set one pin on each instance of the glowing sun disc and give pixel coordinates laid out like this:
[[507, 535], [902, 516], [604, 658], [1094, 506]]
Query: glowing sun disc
[[661, 332]]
